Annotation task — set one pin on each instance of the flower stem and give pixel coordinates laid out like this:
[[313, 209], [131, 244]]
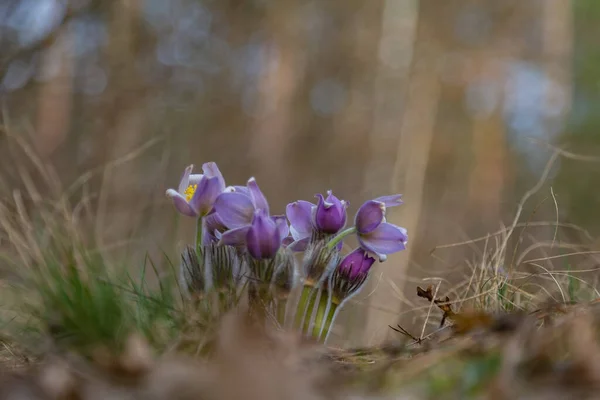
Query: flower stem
[[320, 308], [305, 305], [280, 307], [199, 236], [324, 318], [340, 236], [333, 313]]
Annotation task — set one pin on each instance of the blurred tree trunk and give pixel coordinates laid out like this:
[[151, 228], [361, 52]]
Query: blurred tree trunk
[[284, 65], [56, 95], [351, 146], [487, 173], [402, 136], [121, 200]]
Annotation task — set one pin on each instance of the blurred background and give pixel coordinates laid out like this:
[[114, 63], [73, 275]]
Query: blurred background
[[453, 103]]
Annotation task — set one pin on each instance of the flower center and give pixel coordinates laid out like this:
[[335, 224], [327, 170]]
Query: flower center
[[189, 192]]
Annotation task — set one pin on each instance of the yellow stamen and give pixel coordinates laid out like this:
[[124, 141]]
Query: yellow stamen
[[189, 192]]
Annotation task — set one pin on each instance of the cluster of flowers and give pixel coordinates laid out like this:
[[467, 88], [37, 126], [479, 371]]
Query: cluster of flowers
[[236, 228]]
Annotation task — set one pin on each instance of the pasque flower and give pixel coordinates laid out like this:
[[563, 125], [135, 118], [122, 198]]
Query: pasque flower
[[328, 216], [356, 265], [374, 233], [237, 211], [197, 192], [263, 238], [351, 274], [330, 213]]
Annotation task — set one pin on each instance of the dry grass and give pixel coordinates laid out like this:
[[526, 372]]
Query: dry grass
[[75, 326]]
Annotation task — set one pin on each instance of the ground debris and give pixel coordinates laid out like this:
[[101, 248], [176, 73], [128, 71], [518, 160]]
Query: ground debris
[[510, 356]]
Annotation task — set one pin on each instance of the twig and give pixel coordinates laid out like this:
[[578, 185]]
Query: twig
[[443, 304]]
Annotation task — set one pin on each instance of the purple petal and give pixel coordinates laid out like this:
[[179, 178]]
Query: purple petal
[[211, 170], [282, 226], [258, 198], [300, 215], [185, 178], [287, 241], [205, 195], [299, 245], [195, 179], [297, 235], [356, 263], [263, 238], [330, 214], [385, 239], [234, 209], [181, 203], [235, 237], [391, 201], [214, 225], [241, 189], [369, 216]]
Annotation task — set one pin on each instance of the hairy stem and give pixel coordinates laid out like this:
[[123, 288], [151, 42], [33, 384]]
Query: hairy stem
[[340, 236], [199, 237]]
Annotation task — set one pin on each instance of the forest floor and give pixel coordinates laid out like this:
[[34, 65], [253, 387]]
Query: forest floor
[[551, 353]]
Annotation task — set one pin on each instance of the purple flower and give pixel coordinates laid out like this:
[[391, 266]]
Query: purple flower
[[326, 217], [330, 213], [356, 265], [237, 210], [374, 233], [197, 192], [264, 236], [300, 215]]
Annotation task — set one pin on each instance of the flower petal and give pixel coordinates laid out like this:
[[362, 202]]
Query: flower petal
[[356, 264], [385, 239], [181, 203], [213, 226], [299, 214], [263, 238], [241, 189], [205, 195], [282, 225], [211, 170], [234, 209], [195, 179], [299, 245], [369, 216], [257, 196], [185, 178], [391, 200], [235, 237], [287, 241], [297, 235]]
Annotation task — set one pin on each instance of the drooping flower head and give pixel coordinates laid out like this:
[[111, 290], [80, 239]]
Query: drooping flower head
[[351, 274], [197, 192], [374, 233], [356, 264]]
